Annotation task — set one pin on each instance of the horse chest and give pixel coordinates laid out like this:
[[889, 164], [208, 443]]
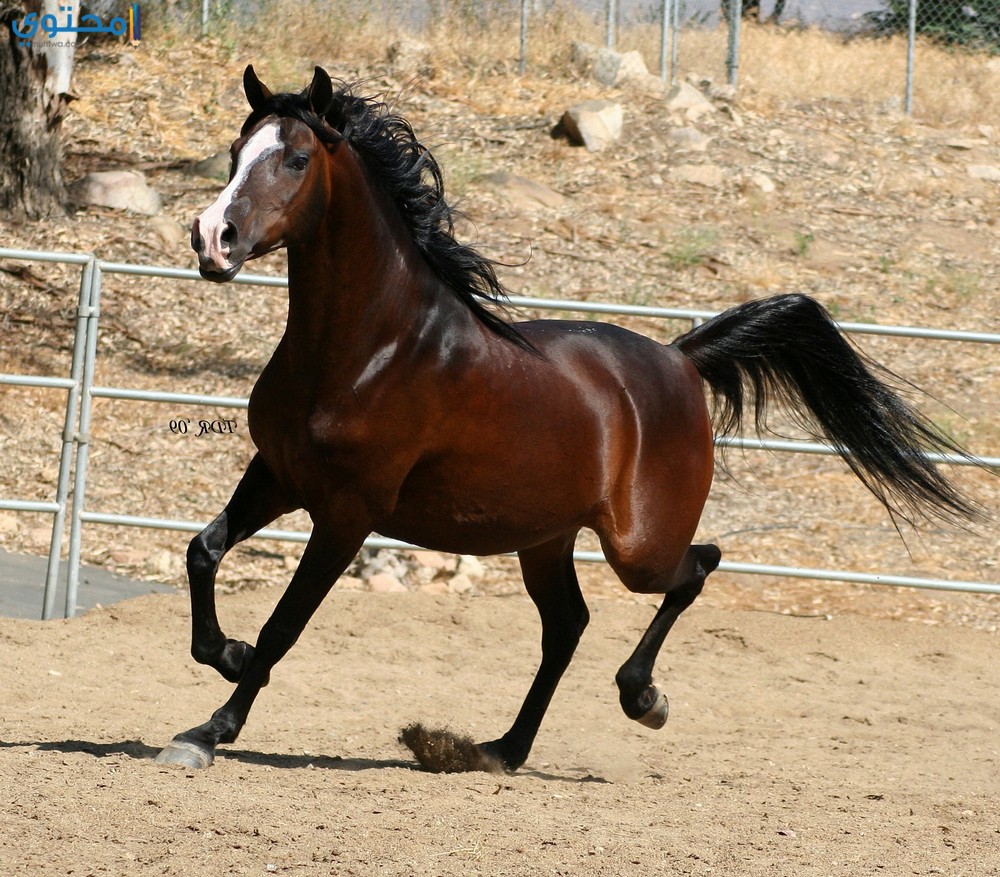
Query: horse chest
[[314, 441]]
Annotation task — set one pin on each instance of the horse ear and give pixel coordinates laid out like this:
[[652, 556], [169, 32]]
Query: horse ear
[[257, 93], [320, 92]]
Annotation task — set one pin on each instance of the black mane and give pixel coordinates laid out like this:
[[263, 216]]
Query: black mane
[[412, 177]]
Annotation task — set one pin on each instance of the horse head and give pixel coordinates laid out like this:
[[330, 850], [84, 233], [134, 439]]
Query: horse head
[[277, 188]]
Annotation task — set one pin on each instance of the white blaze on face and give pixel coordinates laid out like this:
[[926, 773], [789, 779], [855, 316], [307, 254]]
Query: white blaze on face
[[212, 223]]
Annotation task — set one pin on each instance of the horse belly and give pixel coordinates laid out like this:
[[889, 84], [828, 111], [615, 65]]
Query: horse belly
[[490, 505]]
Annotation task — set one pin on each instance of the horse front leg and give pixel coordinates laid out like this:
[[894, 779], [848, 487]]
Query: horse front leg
[[256, 502], [326, 556]]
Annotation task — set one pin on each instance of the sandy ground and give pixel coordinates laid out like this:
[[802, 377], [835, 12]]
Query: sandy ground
[[806, 746], [858, 745]]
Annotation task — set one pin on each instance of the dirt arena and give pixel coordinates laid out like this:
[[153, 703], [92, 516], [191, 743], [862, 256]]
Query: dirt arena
[[796, 745], [813, 730]]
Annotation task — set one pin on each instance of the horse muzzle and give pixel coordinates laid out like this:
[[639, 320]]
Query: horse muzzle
[[216, 259]]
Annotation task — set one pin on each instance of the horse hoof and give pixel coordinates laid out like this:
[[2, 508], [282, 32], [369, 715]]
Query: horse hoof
[[184, 753], [656, 716]]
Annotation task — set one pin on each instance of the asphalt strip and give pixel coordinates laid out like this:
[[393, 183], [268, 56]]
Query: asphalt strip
[[22, 587]]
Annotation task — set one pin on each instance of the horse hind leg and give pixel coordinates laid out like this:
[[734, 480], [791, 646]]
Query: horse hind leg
[[551, 582], [640, 699]]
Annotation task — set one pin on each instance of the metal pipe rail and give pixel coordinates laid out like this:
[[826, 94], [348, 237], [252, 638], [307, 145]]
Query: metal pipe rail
[[82, 391], [73, 385]]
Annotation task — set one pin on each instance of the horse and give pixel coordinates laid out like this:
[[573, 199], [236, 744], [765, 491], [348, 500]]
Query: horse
[[402, 399]]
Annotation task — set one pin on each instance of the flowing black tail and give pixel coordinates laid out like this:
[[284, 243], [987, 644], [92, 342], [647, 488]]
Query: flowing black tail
[[787, 348]]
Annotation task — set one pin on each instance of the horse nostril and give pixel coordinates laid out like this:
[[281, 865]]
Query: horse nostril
[[228, 237], [196, 241]]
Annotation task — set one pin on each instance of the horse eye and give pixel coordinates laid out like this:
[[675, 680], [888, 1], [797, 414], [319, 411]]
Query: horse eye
[[299, 162]]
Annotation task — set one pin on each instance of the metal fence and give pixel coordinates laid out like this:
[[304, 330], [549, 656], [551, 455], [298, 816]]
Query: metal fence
[[82, 390], [969, 24]]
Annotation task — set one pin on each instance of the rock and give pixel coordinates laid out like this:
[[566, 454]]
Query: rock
[[120, 190], [173, 235], [615, 69], [215, 167], [582, 55], [385, 583], [162, 564], [520, 192], [438, 586], [471, 566], [595, 124], [460, 584], [708, 175], [685, 98], [8, 522], [689, 138], [431, 560], [990, 172], [762, 182], [408, 55], [724, 94]]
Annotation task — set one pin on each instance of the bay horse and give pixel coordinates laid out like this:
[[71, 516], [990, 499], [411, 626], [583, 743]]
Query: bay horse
[[399, 401]]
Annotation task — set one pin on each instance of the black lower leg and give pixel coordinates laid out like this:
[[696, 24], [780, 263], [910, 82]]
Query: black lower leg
[[551, 582], [640, 699], [256, 502], [325, 558]]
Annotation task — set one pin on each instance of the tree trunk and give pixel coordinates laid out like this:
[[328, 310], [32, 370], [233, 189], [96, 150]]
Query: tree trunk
[[31, 110]]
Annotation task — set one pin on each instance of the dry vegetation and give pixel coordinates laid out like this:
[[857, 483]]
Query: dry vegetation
[[873, 213]]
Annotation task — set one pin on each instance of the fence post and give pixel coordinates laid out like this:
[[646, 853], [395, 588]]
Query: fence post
[[612, 23], [666, 29], [524, 36], [733, 54], [911, 39], [675, 39], [83, 442], [68, 439]]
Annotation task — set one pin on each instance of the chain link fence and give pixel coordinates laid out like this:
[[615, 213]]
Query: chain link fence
[[677, 38]]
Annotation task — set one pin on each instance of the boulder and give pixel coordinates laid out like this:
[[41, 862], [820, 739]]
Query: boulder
[[615, 69], [170, 232], [989, 172], [409, 55], [689, 138], [520, 192], [215, 167], [595, 124], [708, 175], [686, 99], [385, 583], [120, 190]]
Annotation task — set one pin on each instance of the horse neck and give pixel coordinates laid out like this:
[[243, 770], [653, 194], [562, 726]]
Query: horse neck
[[360, 282]]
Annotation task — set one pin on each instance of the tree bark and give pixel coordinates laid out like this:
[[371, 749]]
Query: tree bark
[[31, 112]]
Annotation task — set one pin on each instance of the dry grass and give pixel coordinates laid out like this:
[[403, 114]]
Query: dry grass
[[778, 66], [899, 233]]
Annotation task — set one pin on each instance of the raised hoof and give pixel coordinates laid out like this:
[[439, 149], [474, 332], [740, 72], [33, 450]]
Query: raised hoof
[[184, 753], [656, 716]]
